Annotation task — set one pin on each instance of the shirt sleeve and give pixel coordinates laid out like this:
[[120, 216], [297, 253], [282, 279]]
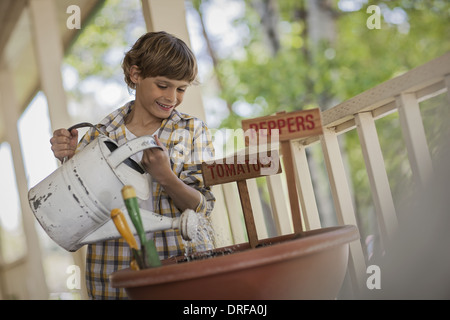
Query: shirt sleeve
[[201, 149]]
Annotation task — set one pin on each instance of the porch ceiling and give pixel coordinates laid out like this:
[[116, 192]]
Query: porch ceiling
[[16, 44]]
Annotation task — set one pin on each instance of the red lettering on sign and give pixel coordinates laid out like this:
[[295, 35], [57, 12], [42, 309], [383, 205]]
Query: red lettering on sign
[[254, 126], [262, 125], [281, 124], [220, 171], [291, 124], [230, 170], [310, 120], [212, 171], [272, 125], [299, 120]]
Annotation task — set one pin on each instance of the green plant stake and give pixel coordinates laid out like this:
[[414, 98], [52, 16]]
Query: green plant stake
[[148, 248]]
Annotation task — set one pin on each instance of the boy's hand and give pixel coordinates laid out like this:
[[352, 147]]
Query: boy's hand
[[64, 143], [157, 162]]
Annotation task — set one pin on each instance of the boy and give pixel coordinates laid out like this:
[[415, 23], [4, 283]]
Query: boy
[[159, 67]]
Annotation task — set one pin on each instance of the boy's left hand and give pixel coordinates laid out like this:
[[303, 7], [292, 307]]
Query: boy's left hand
[[157, 162]]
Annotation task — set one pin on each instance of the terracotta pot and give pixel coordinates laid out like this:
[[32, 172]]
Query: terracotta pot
[[311, 265]]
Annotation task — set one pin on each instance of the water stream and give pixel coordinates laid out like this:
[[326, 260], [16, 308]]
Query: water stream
[[202, 235]]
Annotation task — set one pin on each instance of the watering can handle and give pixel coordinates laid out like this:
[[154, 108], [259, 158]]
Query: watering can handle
[[131, 147]]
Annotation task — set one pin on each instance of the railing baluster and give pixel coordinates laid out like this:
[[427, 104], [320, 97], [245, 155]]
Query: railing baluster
[[305, 188], [220, 219], [414, 136], [231, 193], [278, 200], [379, 183], [338, 180], [288, 162], [258, 214], [343, 202]]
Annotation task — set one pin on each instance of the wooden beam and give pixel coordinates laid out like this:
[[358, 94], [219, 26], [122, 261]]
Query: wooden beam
[[35, 276], [49, 50], [10, 12], [49, 55]]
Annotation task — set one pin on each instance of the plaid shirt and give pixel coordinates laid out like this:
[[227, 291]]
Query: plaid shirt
[[188, 142]]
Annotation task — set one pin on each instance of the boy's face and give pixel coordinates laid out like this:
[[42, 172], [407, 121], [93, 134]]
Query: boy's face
[[160, 95]]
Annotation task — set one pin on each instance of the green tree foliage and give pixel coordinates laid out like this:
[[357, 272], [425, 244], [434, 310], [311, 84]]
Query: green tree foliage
[[111, 28], [95, 57], [300, 75]]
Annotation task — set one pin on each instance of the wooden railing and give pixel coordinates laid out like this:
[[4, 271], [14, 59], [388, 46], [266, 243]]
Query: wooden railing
[[401, 94]]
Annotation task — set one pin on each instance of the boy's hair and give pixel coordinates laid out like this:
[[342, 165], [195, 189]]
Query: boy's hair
[[160, 54]]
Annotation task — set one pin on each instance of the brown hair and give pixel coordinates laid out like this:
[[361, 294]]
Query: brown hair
[[160, 54]]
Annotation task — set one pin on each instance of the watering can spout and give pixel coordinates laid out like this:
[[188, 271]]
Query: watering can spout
[[186, 223]]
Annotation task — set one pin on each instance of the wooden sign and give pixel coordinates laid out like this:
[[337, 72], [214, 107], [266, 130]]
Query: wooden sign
[[241, 167], [284, 127], [291, 125]]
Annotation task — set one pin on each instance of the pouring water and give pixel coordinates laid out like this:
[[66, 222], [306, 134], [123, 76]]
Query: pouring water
[[201, 233]]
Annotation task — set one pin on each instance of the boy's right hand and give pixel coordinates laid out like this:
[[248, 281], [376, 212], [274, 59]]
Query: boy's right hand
[[64, 143]]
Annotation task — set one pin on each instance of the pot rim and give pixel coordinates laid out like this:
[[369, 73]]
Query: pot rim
[[281, 248]]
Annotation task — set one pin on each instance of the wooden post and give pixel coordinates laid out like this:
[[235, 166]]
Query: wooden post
[[310, 213], [221, 221], [292, 188], [231, 193], [49, 55], [415, 139], [379, 183], [280, 208], [258, 213], [35, 276], [248, 213], [343, 203]]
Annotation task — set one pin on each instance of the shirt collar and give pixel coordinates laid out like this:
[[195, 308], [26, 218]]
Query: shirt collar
[[117, 118]]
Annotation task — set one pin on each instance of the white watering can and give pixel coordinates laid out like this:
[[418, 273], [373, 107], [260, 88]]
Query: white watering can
[[73, 204]]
